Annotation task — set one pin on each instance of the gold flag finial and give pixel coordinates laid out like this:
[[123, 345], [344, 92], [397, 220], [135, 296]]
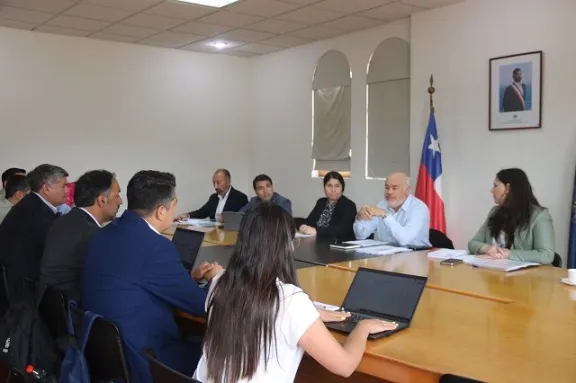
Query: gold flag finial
[[431, 91]]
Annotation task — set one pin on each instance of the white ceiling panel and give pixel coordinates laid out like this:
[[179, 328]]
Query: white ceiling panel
[[50, 6], [316, 33], [310, 15], [259, 48], [118, 38], [180, 10], [351, 23], [24, 15], [276, 26], [429, 4], [204, 29], [171, 39], [302, 2], [153, 21], [349, 7], [230, 19], [392, 11], [96, 12], [285, 41], [130, 5], [16, 24], [78, 23], [245, 35], [264, 8], [208, 47], [61, 31], [130, 30]]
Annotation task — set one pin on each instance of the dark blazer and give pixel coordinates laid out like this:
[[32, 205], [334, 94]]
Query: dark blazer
[[22, 238], [236, 200], [512, 101], [342, 222], [134, 277], [65, 250]]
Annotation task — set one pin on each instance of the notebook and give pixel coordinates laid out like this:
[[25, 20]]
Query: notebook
[[499, 264]]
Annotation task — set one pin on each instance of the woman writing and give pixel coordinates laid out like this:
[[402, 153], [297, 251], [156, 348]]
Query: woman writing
[[260, 322], [518, 228], [333, 216]]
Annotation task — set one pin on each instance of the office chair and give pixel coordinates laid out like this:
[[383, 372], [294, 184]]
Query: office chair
[[557, 262], [440, 240], [52, 308], [161, 373], [104, 351]]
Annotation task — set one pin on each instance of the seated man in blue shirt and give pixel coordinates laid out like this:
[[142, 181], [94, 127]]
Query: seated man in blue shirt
[[134, 277], [400, 220], [264, 189]]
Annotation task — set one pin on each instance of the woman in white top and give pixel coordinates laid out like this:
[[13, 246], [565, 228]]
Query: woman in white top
[[260, 322]]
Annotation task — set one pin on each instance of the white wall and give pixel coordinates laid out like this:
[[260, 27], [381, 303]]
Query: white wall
[[282, 116], [455, 43], [85, 104]]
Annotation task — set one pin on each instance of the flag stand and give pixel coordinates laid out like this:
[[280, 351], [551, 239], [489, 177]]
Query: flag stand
[[431, 91]]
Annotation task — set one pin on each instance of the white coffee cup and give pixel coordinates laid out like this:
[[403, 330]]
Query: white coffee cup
[[572, 275]]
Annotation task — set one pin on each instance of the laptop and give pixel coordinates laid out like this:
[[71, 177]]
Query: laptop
[[384, 295], [232, 220], [188, 243]]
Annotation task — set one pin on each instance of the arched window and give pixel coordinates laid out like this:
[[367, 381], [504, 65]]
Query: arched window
[[331, 112], [388, 109]]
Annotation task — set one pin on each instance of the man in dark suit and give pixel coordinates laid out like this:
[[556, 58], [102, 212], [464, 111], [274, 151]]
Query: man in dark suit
[[226, 198], [23, 231], [97, 200], [134, 277], [515, 93]]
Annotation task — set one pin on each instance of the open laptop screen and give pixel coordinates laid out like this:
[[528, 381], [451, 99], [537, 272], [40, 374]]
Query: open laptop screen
[[385, 293], [188, 243]]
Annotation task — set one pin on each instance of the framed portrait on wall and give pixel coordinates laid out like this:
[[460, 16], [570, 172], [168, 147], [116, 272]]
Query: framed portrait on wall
[[516, 91]]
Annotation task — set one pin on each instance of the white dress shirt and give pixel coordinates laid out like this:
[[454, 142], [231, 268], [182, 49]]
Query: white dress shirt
[[90, 214], [152, 227], [409, 226], [52, 207], [222, 202]]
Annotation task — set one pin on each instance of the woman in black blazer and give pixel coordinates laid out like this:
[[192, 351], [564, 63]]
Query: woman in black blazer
[[333, 216]]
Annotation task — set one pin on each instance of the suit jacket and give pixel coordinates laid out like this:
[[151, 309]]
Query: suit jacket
[[277, 199], [22, 238], [235, 201], [134, 277], [341, 223], [65, 250], [533, 243], [512, 101]]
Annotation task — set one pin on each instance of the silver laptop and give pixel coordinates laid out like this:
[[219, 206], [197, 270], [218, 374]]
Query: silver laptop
[[232, 220]]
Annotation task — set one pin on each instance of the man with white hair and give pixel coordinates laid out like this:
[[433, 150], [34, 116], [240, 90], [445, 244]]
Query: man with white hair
[[400, 220]]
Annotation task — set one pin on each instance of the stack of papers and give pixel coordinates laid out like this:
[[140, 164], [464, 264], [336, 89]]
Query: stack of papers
[[447, 254], [199, 222], [382, 250], [499, 264], [302, 235], [365, 243]]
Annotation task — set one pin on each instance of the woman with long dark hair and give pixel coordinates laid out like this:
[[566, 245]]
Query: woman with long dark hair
[[334, 215], [518, 227], [260, 322]]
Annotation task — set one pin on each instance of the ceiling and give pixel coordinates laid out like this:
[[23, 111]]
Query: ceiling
[[247, 27]]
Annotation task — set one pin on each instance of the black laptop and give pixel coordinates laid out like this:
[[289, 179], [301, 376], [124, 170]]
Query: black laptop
[[384, 295], [232, 220], [188, 243]]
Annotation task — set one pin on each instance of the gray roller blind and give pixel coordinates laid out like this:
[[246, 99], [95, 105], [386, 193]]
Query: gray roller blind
[[332, 113], [389, 109]]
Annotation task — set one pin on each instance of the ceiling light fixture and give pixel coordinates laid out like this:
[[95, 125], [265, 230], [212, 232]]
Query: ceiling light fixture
[[210, 3], [219, 45]]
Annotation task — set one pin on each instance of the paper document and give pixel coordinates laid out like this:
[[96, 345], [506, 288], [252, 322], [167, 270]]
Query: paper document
[[499, 264], [365, 242], [324, 306], [382, 250], [199, 222], [447, 254]]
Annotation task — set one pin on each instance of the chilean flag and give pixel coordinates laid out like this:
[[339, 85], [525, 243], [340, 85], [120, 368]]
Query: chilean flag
[[429, 186]]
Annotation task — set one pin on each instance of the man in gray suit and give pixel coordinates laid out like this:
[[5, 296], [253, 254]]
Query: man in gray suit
[[97, 200]]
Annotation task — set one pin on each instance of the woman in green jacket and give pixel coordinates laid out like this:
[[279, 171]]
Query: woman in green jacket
[[518, 227]]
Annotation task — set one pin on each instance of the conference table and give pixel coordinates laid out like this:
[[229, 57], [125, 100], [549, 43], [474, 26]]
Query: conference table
[[477, 323]]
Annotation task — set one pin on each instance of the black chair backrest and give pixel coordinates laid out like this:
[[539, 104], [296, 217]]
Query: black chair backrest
[[53, 309], [104, 351], [449, 378], [557, 262], [440, 240], [5, 295], [161, 373]]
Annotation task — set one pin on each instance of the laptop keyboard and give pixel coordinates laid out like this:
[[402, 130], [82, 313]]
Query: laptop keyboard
[[355, 318]]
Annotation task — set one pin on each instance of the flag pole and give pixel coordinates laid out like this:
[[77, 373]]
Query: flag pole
[[431, 91]]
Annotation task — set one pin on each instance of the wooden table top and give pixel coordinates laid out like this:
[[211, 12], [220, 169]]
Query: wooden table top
[[468, 336], [213, 235]]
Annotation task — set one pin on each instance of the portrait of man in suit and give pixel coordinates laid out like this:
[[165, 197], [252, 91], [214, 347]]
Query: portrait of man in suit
[[515, 93]]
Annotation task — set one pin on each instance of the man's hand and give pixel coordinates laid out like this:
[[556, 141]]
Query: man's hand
[[332, 316], [182, 217], [200, 273], [216, 268], [377, 212], [364, 214], [305, 229]]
